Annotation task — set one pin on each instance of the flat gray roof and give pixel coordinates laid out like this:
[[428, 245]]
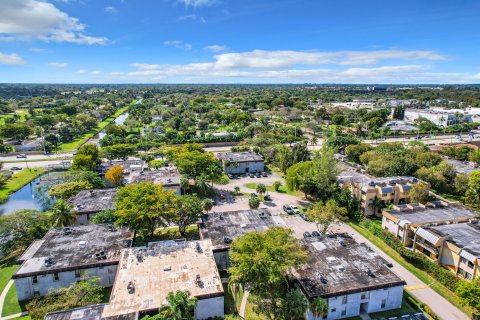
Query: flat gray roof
[[84, 313], [463, 235], [95, 200], [429, 214], [240, 156], [339, 266], [463, 166], [224, 227], [167, 176], [76, 247]]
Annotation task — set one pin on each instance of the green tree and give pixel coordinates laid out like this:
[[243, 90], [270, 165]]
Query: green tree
[[419, 192], [319, 307], [88, 176], [261, 189], [188, 211], [469, 293], [325, 215], [254, 202], [354, 151], [62, 214], [87, 158], [144, 206], [16, 131], [472, 195], [78, 294], [19, 229], [180, 306], [67, 190], [207, 205], [261, 260], [104, 216], [294, 305], [276, 185], [118, 151]]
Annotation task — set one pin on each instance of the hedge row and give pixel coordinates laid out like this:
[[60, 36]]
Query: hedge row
[[445, 277]]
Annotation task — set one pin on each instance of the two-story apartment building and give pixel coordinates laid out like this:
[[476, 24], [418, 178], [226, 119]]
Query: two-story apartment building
[[446, 233], [67, 255], [376, 193], [87, 203], [351, 277], [241, 162]]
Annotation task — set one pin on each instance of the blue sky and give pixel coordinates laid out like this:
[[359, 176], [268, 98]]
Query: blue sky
[[239, 41]]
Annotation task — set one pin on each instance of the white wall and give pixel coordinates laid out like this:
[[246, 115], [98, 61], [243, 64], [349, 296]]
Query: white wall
[[26, 288], [390, 225], [371, 299], [210, 308], [253, 166]]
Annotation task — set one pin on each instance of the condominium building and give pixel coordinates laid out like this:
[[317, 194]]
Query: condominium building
[[351, 277]]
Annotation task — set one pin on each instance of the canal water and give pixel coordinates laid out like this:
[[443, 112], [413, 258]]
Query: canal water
[[120, 120], [31, 196]]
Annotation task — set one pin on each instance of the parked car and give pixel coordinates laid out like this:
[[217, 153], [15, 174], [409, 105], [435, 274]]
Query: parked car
[[251, 175], [267, 197], [407, 137], [295, 209], [231, 176], [21, 156], [221, 196], [303, 216], [15, 168], [264, 174], [315, 234], [287, 209], [258, 175], [307, 235]]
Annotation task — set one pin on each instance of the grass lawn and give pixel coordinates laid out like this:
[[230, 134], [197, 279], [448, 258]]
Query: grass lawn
[[78, 142], [18, 180], [230, 307], [11, 305], [406, 308], [282, 189], [422, 275], [6, 273]]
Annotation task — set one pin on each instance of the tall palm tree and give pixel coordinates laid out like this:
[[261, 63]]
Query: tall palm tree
[[180, 306], [63, 214], [375, 204], [319, 307]]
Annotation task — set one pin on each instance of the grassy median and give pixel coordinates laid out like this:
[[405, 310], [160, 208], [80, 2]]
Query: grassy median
[[18, 180]]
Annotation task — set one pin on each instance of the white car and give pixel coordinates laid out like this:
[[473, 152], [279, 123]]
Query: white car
[[294, 209]]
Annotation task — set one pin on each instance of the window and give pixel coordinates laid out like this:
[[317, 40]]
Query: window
[[384, 302], [365, 295], [78, 273], [344, 312], [34, 280], [384, 194], [344, 299], [333, 310], [56, 276]]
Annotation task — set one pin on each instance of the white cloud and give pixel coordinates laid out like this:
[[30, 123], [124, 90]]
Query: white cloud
[[188, 17], [111, 10], [197, 3], [215, 48], [58, 64], [82, 71], [27, 19], [178, 44], [37, 50], [96, 72], [12, 58]]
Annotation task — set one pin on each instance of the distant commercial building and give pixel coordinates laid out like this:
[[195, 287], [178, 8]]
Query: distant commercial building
[[241, 162], [376, 193], [89, 202], [224, 227], [351, 277], [65, 256], [148, 274], [443, 118], [446, 234]]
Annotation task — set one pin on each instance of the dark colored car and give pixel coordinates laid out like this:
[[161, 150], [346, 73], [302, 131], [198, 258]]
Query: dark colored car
[[258, 175], [230, 176], [265, 174], [287, 209], [315, 234], [253, 194], [307, 235], [221, 196], [251, 175], [267, 197]]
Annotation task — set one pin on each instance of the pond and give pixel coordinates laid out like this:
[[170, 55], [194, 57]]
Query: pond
[[30, 196], [120, 120]]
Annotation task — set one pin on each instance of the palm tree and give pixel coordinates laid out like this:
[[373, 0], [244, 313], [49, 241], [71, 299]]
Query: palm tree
[[62, 214], [375, 204], [213, 172], [319, 307], [179, 307], [261, 189], [314, 140]]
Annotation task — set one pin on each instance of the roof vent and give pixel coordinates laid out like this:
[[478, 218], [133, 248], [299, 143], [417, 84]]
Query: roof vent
[[343, 243], [227, 240], [131, 287], [167, 268], [111, 228], [67, 231], [49, 261], [262, 215], [370, 273], [392, 182], [220, 216], [198, 247], [198, 280], [371, 183], [100, 255]]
